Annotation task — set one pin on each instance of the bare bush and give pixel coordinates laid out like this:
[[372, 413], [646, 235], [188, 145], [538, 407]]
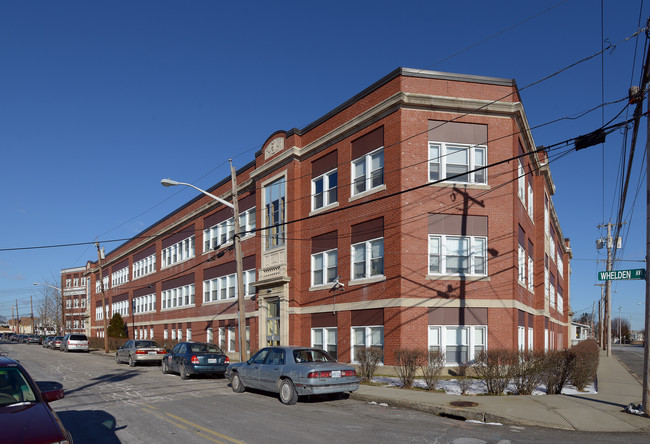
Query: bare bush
[[527, 371], [464, 381], [433, 368], [585, 363], [407, 363], [494, 368], [368, 359], [558, 365]]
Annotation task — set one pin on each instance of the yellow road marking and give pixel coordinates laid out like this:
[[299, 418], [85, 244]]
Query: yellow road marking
[[165, 419], [212, 432]]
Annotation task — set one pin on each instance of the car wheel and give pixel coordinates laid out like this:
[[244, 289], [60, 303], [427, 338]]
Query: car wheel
[[288, 394], [117, 359], [237, 384], [163, 366], [131, 361], [183, 372]]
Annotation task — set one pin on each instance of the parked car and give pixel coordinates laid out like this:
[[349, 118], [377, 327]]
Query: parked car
[[25, 415], [139, 351], [34, 339], [56, 342], [47, 341], [293, 371], [193, 358], [74, 342]]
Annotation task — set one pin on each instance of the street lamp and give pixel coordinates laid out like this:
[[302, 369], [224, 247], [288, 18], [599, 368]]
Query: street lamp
[[238, 253], [62, 305]]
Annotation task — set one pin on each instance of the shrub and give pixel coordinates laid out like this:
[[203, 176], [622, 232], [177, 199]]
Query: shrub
[[585, 363], [527, 371], [556, 370], [406, 365], [463, 381], [113, 343], [116, 327], [494, 368], [368, 359], [433, 368]]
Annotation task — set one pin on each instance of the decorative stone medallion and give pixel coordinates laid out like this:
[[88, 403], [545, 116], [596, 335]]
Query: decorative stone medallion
[[275, 146]]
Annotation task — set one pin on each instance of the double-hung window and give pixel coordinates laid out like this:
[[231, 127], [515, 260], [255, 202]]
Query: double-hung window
[[521, 182], [365, 337], [463, 255], [459, 344], [324, 267], [368, 171], [324, 190], [275, 211], [325, 338], [368, 259], [455, 162]]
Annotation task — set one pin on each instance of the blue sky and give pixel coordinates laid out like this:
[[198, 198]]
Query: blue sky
[[100, 100]]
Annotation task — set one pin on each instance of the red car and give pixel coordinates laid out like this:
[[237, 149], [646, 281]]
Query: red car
[[25, 415]]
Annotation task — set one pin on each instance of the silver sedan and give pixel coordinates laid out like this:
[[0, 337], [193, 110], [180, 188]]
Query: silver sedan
[[293, 371], [137, 351]]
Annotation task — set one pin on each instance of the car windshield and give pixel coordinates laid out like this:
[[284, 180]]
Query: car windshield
[[14, 388], [140, 344], [311, 355], [205, 348]]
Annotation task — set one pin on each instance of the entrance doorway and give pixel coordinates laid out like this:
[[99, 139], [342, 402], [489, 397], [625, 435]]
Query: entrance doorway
[[273, 322]]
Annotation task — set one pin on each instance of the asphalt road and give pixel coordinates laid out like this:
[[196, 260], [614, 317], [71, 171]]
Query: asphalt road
[[631, 356], [110, 403]]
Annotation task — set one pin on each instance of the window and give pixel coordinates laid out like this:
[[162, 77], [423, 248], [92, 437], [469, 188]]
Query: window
[[324, 267], [560, 263], [144, 304], [522, 265], [75, 303], [222, 338], [165, 334], [120, 277], [223, 232], [447, 160], [459, 344], [530, 338], [151, 333], [521, 182], [363, 337], [68, 283], [560, 300], [98, 288], [68, 303], [464, 255], [232, 339], [178, 297], [121, 307], [144, 266], [324, 190], [531, 273], [531, 201], [178, 252], [325, 338], [368, 259], [173, 334], [76, 282], [275, 213], [521, 337], [210, 335], [188, 334], [368, 171], [225, 287]]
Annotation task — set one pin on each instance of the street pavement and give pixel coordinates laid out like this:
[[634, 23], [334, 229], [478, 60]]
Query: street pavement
[[599, 412]]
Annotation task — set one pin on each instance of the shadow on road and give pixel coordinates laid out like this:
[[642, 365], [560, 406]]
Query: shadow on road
[[112, 377], [94, 426]]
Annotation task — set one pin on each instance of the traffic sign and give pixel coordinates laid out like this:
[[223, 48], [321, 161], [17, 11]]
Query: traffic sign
[[616, 275]]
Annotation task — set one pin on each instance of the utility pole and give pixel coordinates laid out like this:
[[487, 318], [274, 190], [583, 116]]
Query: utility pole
[[620, 330], [13, 320], [17, 316], [601, 341], [608, 288], [31, 308], [104, 302], [240, 267]]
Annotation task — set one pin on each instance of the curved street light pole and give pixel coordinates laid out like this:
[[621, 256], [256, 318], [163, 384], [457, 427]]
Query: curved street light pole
[[238, 253]]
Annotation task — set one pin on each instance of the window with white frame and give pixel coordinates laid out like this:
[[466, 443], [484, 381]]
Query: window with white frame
[[232, 339], [521, 182], [451, 159], [547, 219], [368, 259], [521, 338], [325, 338], [560, 264], [75, 282], [531, 272], [324, 267], [165, 334], [366, 337], [98, 288], [368, 171], [275, 213], [224, 232], [75, 303], [120, 277], [459, 344], [324, 190], [151, 333], [178, 252], [522, 265], [182, 296], [560, 300], [552, 250], [68, 283], [145, 304], [222, 338], [173, 334], [121, 307], [68, 303], [83, 302], [530, 338], [531, 201], [552, 291], [144, 266], [462, 255], [225, 287], [209, 335], [188, 334]]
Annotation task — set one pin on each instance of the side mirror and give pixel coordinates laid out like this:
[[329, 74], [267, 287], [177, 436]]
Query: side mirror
[[53, 395]]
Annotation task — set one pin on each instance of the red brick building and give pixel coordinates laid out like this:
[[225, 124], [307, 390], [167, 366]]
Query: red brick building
[[75, 300], [392, 221]]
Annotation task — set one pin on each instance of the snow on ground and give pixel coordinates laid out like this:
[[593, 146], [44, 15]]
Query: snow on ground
[[477, 387]]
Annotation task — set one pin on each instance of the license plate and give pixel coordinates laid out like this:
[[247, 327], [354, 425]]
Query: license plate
[[152, 352], [336, 374], [212, 361]]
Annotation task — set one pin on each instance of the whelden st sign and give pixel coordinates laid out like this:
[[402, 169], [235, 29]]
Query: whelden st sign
[[616, 275]]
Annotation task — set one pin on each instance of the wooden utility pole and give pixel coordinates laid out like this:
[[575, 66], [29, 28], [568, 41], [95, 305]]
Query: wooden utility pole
[[13, 320], [31, 308], [17, 316], [601, 341], [240, 267], [104, 302]]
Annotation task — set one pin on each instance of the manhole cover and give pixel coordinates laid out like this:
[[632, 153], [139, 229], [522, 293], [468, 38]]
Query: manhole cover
[[464, 403]]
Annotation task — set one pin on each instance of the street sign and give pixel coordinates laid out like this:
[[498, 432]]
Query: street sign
[[616, 275]]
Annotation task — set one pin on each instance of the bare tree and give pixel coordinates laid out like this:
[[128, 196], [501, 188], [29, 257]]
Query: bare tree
[[48, 307], [622, 326]]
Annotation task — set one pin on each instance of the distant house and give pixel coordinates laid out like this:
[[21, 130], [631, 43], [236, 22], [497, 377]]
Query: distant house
[[579, 332]]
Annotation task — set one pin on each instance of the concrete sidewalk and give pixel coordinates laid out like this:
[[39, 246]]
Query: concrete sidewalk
[[600, 412]]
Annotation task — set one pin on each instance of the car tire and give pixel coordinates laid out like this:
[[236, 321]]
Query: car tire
[[131, 361], [163, 366], [237, 384], [288, 393], [182, 371], [117, 359]]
